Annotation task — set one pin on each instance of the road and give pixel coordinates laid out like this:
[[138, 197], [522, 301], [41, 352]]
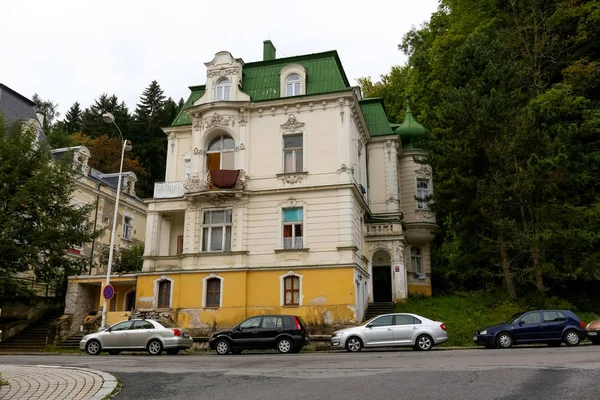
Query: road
[[532, 373]]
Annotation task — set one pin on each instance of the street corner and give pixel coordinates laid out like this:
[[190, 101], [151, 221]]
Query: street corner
[[54, 382]]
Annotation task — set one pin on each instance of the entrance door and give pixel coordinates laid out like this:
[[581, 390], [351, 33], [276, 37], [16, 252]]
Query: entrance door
[[382, 284]]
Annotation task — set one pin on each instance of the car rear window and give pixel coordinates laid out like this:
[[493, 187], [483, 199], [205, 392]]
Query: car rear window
[[554, 316], [166, 324]]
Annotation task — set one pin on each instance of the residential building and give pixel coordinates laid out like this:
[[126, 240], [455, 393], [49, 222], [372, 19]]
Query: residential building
[[14, 107], [285, 192]]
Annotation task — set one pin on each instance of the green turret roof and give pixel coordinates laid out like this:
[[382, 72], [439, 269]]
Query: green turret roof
[[410, 128]]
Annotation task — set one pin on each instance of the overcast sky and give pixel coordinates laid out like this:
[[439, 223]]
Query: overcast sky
[[75, 50]]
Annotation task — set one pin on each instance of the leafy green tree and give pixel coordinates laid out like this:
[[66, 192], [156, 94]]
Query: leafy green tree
[[94, 126], [125, 260], [47, 108], [38, 223], [392, 88]]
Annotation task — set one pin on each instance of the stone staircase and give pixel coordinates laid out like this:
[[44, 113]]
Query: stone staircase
[[71, 342], [32, 338], [375, 309]]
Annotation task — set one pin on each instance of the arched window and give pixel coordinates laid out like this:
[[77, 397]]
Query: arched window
[[213, 292], [291, 295], [293, 85], [164, 294], [223, 89], [221, 153]]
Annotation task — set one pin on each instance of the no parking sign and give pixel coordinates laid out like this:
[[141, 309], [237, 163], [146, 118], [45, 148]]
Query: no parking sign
[[108, 292]]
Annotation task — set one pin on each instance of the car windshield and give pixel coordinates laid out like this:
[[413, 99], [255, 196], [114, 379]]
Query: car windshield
[[512, 318], [166, 324]]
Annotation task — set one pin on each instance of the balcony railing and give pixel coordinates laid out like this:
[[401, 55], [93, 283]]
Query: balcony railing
[[203, 182], [383, 229], [168, 190]]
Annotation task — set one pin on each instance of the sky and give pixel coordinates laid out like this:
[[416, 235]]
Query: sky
[[75, 50]]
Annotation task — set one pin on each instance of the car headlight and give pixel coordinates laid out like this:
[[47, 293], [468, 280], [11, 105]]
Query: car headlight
[[336, 334], [483, 332]]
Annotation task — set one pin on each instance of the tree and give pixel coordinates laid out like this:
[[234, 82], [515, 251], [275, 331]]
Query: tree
[[106, 154], [392, 88], [48, 109], [72, 121], [94, 126], [125, 260], [38, 223]]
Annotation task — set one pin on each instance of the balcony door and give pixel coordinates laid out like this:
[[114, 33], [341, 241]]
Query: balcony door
[[221, 154]]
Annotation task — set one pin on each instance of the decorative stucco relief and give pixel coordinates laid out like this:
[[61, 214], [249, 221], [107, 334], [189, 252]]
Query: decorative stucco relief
[[423, 172], [292, 124], [223, 71]]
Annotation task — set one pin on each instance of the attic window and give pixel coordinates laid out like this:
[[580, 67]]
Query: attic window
[[293, 85], [223, 89]]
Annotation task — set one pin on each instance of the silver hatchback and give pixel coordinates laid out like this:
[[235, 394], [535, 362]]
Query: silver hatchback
[[138, 335], [392, 330]]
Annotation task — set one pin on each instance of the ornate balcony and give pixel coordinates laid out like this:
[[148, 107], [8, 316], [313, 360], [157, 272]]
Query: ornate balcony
[[384, 229], [168, 190], [218, 181]]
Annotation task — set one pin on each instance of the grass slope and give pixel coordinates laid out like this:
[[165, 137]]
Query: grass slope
[[463, 313]]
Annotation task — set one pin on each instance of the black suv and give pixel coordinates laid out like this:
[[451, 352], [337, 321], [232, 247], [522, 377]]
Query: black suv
[[286, 333]]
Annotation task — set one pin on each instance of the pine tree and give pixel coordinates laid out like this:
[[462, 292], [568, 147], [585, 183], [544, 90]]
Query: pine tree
[[72, 121], [151, 103]]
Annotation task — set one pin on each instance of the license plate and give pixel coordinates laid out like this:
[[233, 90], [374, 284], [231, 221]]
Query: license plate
[[186, 335], [475, 338], [592, 333]]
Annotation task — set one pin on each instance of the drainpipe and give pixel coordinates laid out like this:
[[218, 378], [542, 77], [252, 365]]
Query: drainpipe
[[95, 223]]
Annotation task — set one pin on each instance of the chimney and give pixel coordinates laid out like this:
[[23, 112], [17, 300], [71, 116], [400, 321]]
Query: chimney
[[268, 51]]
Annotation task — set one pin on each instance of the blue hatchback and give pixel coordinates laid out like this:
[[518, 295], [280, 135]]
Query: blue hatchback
[[541, 326]]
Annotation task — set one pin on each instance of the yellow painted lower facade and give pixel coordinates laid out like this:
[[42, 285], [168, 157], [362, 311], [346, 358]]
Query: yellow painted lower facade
[[327, 295]]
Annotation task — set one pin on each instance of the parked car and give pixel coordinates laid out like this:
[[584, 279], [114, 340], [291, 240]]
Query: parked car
[[138, 335], [286, 333], [593, 331], [392, 330], [540, 326]]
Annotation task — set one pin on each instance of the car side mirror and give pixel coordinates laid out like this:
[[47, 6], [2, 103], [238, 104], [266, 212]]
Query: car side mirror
[[237, 328], [521, 322], [369, 326]]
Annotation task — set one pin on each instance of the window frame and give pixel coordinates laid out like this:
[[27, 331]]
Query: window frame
[[213, 297], [222, 150], [209, 227], [157, 283], [295, 288], [293, 80], [414, 257], [293, 225], [127, 233], [282, 288], [221, 93], [205, 281], [187, 167], [294, 152], [423, 193]]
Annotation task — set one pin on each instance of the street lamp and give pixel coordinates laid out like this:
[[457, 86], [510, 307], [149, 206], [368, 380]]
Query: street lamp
[[110, 119]]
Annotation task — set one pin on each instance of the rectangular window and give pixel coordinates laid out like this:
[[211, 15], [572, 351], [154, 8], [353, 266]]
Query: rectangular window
[[164, 294], [213, 293], [292, 153], [292, 291], [422, 194], [416, 262], [293, 228], [179, 244], [216, 230], [127, 228]]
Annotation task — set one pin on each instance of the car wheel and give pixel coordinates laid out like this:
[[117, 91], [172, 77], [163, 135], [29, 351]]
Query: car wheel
[[424, 343], [504, 340], [93, 347], [236, 352], [285, 346], [155, 347], [173, 352], [572, 338], [114, 352], [354, 344], [223, 347]]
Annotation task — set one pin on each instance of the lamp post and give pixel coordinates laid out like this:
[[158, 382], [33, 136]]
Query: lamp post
[[110, 119]]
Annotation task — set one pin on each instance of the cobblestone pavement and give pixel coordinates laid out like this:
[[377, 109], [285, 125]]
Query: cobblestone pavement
[[52, 382]]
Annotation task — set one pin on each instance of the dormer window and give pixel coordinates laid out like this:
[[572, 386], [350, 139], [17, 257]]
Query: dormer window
[[223, 89], [293, 85]]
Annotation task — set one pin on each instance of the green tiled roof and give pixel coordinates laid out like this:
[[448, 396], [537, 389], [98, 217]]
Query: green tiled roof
[[374, 114], [324, 74], [182, 118]]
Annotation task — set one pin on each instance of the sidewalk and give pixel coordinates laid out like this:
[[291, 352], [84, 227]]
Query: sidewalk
[[51, 382]]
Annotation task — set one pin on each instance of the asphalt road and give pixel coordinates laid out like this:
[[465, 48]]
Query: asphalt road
[[519, 373]]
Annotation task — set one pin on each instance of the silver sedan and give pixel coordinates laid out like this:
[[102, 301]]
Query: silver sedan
[[392, 330], [138, 335]]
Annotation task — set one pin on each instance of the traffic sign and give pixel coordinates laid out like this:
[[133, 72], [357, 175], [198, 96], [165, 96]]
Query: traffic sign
[[108, 292]]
